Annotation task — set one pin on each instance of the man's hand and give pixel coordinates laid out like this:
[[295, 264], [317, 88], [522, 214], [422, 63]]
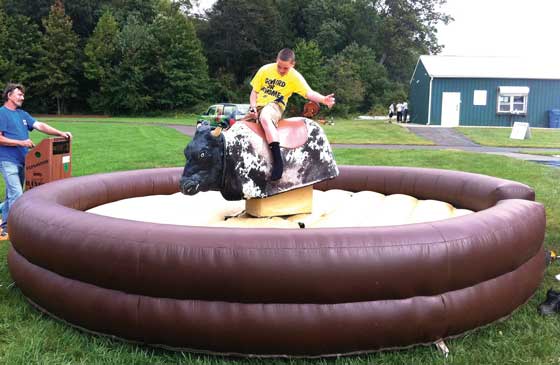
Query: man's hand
[[253, 113], [27, 143], [329, 100], [66, 135]]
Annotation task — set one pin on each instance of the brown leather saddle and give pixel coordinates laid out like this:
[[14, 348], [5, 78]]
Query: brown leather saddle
[[292, 132]]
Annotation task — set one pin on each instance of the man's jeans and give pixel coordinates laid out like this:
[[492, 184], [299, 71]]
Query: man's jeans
[[14, 177]]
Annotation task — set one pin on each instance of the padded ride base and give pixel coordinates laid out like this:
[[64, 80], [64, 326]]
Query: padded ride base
[[297, 201]]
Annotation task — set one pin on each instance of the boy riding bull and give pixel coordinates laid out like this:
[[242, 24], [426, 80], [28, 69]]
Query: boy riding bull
[[273, 85]]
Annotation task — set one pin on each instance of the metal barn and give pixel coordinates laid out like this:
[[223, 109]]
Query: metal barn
[[483, 91]]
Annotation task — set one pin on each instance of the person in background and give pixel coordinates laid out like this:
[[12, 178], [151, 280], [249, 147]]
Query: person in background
[[399, 112], [15, 125], [391, 112], [405, 112], [273, 85]]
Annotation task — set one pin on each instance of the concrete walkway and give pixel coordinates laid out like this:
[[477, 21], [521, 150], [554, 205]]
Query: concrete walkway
[[185, 129], [445, 139], [441, 136], [448, 137]]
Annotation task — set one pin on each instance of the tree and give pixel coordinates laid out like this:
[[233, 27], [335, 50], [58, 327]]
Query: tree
[[183, 73], [4, 63], [336, 24], [102, 57], [224, 88], [147, 57], [242, 35], [19, 42], [363, 23], [346, 83], [408, 30], [146, 66], [33, 9], [136, 76], [310, 63], [85, 15], [142, 10], [182, 6], [58, 59], [373, 76], [292, 15], [332, 36], [316, 13]]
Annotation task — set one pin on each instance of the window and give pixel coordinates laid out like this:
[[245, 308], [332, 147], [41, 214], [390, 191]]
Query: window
[[229, 109], [512, 99], [243, 108], [479, 97]]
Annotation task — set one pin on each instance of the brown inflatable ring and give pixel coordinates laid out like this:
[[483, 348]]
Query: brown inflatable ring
[[278, 292]]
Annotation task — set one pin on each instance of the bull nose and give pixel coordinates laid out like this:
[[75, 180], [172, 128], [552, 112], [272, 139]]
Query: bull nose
[[188, 186]]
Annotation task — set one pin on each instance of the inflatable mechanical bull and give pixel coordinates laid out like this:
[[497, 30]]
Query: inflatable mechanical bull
[[238, 162]]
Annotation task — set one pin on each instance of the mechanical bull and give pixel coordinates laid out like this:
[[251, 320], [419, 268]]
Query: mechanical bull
[[238, 162]]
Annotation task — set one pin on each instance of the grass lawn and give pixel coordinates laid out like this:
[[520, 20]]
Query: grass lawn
[[113, 146], [371, 132], [28, 337], [344, 130], [549, 138], [182, 119], [541, 153]]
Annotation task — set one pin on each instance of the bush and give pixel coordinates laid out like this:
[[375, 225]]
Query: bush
[[379, 109]]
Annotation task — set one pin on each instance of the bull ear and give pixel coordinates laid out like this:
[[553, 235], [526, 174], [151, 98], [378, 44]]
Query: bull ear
[[216, 132]]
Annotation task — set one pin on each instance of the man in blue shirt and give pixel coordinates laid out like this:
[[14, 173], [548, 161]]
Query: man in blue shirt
[[15, 125]]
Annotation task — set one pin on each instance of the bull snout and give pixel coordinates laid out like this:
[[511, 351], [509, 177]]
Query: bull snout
[[189, 186]]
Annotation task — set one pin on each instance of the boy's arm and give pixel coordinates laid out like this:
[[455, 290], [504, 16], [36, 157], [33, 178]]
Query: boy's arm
[[253, 104], [328, 100], [253, 99]]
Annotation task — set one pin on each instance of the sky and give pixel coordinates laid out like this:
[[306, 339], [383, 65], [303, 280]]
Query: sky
[[502, 28], [203, 4], [524, 28]]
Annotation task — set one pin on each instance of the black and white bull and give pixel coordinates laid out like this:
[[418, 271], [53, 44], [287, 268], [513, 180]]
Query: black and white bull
[[238, 162]]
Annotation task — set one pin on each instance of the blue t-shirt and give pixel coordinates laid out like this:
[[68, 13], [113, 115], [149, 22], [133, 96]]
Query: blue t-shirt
[[15, 124]]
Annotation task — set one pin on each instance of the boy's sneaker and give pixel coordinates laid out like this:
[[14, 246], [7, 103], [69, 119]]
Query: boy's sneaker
[[552, 303]]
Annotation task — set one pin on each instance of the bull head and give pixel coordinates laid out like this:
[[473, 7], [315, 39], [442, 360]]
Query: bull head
[[204, 166]]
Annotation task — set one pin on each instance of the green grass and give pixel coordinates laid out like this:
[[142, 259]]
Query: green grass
[[28, 337], [541, 153], [549, 138], [371, 132], [344, 130], [113, 147], [181, 119]]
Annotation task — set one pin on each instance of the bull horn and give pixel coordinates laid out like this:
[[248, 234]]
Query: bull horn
[[216, 132]]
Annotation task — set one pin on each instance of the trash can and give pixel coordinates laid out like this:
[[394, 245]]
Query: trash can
[[50, 160], [554, 118]]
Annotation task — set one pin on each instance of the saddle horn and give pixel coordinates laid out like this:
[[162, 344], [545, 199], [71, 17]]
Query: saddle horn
[[216, 132]]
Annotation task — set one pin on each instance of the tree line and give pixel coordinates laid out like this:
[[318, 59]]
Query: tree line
[[157, 56]]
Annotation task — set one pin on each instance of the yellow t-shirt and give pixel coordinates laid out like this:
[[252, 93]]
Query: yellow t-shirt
[[271, 86]]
